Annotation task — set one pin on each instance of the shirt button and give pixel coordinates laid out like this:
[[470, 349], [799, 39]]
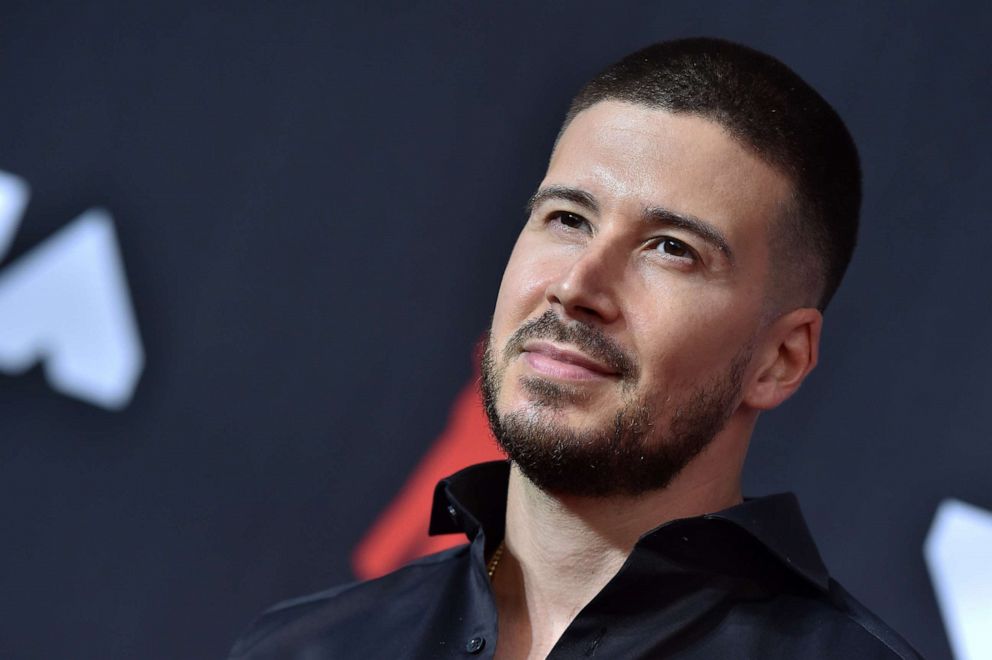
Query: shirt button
[[452, 512], [475, 644]]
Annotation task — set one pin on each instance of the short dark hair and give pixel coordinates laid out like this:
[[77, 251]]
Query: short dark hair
[[771, 111]]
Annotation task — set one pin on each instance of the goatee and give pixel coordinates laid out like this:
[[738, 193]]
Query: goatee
[[639, 448]]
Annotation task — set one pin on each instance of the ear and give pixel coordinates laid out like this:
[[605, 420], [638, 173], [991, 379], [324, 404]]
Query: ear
[[791, 349]]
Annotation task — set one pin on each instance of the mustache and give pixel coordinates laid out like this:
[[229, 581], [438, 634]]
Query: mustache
[[589, 339]]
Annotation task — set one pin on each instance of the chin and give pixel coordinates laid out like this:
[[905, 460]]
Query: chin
[[565, 414]]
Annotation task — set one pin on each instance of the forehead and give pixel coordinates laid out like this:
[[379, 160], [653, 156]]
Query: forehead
[[631, 157]]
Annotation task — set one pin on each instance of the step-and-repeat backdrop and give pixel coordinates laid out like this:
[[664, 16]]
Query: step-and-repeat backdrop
[[247, 250]]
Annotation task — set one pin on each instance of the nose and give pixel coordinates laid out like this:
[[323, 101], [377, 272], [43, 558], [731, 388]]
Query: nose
[[586, 290]]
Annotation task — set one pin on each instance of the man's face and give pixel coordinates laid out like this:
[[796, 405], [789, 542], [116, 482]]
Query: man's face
[[625, 318]]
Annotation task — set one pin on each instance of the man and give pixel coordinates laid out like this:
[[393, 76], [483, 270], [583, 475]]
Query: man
[[698, 212]]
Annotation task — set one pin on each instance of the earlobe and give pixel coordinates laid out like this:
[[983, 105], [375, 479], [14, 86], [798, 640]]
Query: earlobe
[[790, 354]]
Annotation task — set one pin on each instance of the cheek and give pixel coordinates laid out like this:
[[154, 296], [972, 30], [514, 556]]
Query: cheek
[[522, 290], [687, 338]]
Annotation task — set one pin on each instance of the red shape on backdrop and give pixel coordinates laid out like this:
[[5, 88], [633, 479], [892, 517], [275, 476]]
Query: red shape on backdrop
[[400, 533]]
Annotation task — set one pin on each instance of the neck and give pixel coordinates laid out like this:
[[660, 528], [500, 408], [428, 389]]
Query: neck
[[561, 550]]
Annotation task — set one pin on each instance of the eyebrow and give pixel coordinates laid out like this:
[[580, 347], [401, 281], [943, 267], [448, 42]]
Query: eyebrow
[[655, 214], [574, 195], [691, 224]]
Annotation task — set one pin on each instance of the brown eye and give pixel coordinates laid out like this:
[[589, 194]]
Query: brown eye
[[674, 248], [569, 219]]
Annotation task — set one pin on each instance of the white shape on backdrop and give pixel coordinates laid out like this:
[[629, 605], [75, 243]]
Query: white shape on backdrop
[[958, 550], [66, 304], [13, 199]]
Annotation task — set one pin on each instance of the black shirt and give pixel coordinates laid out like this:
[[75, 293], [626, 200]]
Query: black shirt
[[746, 582]]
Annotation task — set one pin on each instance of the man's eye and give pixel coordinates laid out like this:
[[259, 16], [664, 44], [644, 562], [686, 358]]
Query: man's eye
[[675, 248], [570, 220]]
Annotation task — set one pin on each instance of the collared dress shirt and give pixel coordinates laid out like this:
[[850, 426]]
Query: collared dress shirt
[[743, 583]]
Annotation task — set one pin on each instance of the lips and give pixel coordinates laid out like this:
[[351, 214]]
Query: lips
[[557, 362]]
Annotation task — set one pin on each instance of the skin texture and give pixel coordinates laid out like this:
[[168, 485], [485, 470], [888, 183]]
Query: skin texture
[[628, 454], [679, 306]]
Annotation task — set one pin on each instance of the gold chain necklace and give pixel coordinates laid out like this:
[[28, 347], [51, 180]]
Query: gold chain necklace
[[494, 560]]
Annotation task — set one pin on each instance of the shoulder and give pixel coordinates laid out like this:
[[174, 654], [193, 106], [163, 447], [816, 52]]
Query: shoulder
[[356, 609], [830, 625], [888, 642]]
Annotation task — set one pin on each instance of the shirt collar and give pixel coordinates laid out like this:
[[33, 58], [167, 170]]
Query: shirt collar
[[778, 524], [473, 500]]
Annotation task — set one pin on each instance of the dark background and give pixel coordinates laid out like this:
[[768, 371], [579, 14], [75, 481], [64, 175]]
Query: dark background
[[314, 206]]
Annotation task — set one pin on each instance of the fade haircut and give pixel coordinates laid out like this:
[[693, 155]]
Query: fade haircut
[[770, 110]]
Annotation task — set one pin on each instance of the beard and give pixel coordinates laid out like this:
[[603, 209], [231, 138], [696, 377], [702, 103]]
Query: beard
[[641, 447]]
